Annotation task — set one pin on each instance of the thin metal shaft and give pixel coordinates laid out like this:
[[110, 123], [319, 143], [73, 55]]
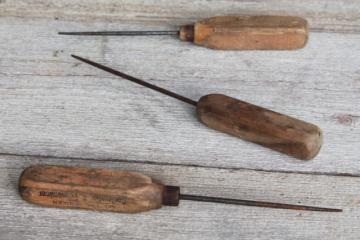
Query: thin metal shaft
[[122, 33], [136, 80], [256, 203]]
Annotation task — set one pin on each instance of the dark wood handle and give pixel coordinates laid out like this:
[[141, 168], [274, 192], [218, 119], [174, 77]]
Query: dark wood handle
[[248, 33], [259, 125], [94, 189]]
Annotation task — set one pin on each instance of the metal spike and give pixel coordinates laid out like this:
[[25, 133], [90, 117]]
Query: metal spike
[[256, 203], [136, 80], [122, 33]]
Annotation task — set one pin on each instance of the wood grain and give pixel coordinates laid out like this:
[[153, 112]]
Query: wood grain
[[97, 189], [21, 220], [251, 32], [262, 126]]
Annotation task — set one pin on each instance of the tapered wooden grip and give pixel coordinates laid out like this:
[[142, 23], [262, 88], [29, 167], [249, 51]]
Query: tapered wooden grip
[[259, 125], [248, 33], [94, 189]]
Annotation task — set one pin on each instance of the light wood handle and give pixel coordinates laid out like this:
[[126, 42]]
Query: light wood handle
[[248, 33], [94, 189], [259, 125]]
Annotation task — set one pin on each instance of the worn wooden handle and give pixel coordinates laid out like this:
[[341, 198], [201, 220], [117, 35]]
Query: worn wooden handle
[[259, 125], [248, 33], [94, 189]]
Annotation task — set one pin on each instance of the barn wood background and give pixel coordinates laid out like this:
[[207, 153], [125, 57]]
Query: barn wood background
[[56, 110]]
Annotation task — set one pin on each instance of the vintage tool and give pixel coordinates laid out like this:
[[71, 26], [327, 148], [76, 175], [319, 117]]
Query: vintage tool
[[241, 119], [112, 190], [234, 33]]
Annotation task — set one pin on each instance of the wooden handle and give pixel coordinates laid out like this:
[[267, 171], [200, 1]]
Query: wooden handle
[[94, 189], [259, 125], [248, 33]]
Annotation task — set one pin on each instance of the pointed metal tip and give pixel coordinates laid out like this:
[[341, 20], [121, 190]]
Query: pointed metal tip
[[334, 210], [318, 209], [70, 33], [82, 59], [89, 62], [81, 33], [77, 57]]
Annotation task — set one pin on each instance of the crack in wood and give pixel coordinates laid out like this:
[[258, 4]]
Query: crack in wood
[[183, 165]]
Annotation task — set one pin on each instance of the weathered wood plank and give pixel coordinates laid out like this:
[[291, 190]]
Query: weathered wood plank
[[53, 105], [323, 15], [20, 220]]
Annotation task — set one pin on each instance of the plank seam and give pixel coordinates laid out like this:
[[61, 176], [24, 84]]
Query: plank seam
[[182, 165], [137, 21]]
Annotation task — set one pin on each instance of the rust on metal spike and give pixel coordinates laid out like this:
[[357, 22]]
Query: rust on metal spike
[[256, 203], [136, 80]]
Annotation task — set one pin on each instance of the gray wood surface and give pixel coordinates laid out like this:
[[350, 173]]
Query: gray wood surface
[[194, 220], [53, 106]]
